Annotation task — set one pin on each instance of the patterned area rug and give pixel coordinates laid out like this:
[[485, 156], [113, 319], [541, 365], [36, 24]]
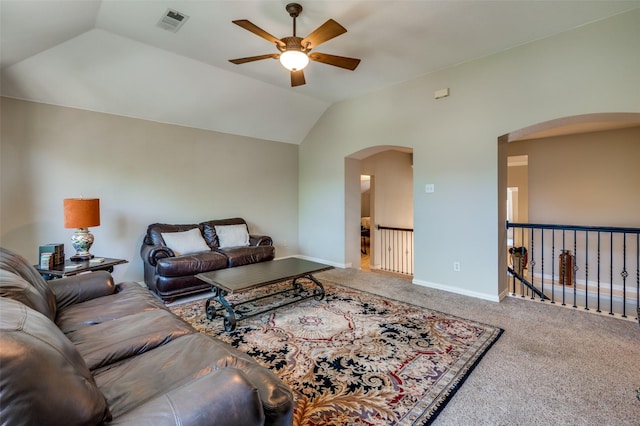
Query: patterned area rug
[[355, 358]]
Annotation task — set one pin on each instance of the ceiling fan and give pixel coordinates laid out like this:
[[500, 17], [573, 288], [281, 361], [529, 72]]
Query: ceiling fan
[[295, 51]]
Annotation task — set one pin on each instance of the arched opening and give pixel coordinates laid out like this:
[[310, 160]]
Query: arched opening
[[390, 199], [554, 130]]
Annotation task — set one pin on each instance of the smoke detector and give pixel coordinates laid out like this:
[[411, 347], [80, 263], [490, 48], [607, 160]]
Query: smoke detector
[[172, 20]]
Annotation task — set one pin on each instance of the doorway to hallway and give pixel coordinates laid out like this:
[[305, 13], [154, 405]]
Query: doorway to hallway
[[385, 199], [365, 221]]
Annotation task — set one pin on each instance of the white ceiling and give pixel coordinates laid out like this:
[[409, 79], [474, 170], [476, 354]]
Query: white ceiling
[[110, 55]]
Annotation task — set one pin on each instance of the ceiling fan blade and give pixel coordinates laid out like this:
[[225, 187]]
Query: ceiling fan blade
[[336, 61], [254, 58], [324, 32], [297, 78], [249, 26]]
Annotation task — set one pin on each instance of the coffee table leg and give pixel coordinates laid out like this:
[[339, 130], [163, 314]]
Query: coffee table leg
[[210, 310], [297, 287], [229, 316], [318, 291]]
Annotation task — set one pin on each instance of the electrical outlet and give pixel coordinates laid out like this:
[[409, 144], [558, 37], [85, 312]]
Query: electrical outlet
[[456, 266]]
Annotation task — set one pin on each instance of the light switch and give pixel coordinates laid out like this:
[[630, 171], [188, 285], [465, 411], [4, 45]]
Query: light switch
[[429, 188]]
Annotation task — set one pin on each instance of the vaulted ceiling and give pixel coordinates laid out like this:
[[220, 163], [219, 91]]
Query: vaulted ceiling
[[111, 56]]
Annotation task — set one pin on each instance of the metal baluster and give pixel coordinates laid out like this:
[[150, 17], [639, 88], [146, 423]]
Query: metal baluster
[[611, 273], [394, 252], [403, 252], [522, 287], [532, 262], [563, 272], [413, 248], [542, 262], [574, 267], [383, 251], [598, 310], [586, 271], [624, 275], [553, 266], [638, 277]]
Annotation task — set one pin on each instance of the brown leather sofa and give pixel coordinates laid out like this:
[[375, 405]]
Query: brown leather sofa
[[170, 275], [82, 350]]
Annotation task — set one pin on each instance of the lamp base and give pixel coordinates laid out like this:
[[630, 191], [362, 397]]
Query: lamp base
[[81, 258], [81, 241]]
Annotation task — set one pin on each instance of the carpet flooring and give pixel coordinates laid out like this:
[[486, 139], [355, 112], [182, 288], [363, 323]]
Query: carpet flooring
[[358, 358], [552, 365]]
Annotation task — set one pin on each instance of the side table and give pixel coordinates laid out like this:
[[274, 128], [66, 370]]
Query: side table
[[70, 267]]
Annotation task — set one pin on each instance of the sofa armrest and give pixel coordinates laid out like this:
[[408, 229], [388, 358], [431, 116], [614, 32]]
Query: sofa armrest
[[223, 397], [150, 253], [260, 240], [82, 287]]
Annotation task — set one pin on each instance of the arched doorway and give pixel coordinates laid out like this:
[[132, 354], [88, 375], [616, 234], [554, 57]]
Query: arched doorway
[[391, 197], [566, 126]]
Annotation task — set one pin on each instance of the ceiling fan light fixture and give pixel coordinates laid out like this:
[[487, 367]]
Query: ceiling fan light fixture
[[294, 51], [294, 60]]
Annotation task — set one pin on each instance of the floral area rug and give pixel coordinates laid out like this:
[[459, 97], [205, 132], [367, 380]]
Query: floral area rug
[[355, 358]]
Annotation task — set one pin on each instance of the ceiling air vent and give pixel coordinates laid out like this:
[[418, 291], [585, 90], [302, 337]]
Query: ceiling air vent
[[172, 20]]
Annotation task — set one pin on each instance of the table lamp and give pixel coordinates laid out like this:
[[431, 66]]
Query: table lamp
[[81, 213]]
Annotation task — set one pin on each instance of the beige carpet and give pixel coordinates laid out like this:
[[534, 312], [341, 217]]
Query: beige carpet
[[551, 366]]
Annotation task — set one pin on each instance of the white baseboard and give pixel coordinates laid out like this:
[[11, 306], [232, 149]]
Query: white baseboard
[[315, 259], [484, 296], [504, 293]]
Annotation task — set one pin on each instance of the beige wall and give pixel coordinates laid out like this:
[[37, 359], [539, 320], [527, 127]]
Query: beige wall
[[143, 172], [587, 179], [393, 177], [455, 145]]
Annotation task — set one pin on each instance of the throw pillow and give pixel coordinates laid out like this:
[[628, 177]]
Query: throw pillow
[[187, 242], [232, 235]]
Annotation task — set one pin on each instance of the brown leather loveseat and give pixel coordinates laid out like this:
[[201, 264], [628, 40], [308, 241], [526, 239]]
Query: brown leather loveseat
[[82, 350], [174, 254]]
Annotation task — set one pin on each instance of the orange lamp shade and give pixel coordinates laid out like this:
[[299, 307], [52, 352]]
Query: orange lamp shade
[[81, 212]]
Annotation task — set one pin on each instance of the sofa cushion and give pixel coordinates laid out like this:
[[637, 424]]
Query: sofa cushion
[[160, 371], [239, 256], [15, 287], [185, 242], [44, 379], [191, 264], [232, 235], [130, 298], [113, 341], [17, 264]]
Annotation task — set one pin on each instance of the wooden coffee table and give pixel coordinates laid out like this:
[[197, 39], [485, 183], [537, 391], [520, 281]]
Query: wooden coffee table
[[247, 277]]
